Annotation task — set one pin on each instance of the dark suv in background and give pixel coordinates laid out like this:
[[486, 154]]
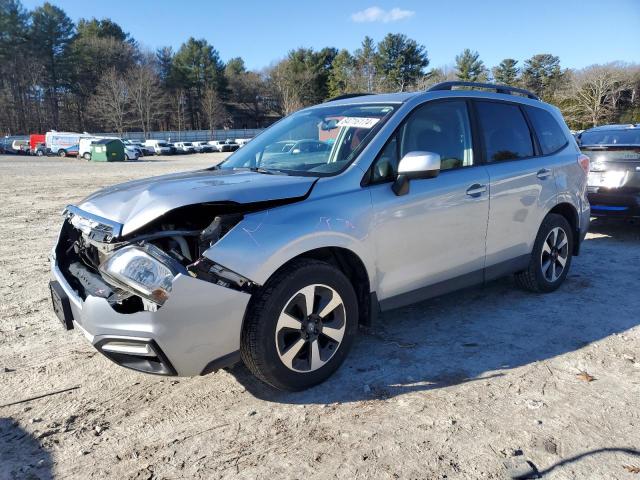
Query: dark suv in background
[[614, 179]]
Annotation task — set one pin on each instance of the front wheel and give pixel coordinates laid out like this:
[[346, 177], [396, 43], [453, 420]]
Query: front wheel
[[87, 156], [62, 153], [550, 258], [301, 325]]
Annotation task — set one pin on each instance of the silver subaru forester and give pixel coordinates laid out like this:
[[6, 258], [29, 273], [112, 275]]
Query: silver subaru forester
[[339, 211]]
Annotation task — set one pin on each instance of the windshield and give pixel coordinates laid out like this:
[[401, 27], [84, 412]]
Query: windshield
[[629, 136], [319, 141]]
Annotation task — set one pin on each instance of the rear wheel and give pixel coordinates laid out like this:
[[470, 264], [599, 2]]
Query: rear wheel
[[87, 156], [62, 153], [301, 326], [551, 256]]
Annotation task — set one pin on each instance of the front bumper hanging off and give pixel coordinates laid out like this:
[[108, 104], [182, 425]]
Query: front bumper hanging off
[[197, 330]]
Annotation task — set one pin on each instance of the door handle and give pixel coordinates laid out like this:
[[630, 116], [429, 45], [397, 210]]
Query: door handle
[[476, 190], [543, 173]]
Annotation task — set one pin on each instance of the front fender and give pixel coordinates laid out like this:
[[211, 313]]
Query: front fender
[[264, 241]]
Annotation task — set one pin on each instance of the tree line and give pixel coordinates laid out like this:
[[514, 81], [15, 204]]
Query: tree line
[[94, 76]]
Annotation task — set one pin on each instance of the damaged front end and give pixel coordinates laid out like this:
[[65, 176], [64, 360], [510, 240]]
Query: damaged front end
[[135, 272]]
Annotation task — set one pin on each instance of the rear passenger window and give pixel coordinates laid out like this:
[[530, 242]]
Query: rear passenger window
[[550, 135], [505, 131]]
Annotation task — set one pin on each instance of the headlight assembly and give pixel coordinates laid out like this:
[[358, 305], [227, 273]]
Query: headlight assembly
[[146, 271]]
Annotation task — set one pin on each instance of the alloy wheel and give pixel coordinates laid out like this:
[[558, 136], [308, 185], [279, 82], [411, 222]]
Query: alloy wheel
[[310, 328], [555, 253]]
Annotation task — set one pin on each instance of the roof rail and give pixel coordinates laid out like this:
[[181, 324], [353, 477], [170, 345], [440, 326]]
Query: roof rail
[[347, 95], [506, 89]]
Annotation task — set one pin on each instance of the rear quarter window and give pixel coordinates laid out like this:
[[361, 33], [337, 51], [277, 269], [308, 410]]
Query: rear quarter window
[[550, 135], [505, 131]]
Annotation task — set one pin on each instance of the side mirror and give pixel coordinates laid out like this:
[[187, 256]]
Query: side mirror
[[415, 165]]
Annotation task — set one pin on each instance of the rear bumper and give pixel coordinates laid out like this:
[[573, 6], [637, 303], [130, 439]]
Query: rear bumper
[[619, 202], [197, 327]]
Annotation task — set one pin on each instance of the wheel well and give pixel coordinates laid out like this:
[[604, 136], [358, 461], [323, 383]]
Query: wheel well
[[569, 212], [351, 265]]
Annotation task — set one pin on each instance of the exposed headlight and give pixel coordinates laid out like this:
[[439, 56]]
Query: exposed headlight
[[145, 271]]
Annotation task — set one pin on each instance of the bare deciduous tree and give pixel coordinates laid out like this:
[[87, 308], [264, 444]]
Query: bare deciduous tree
[[590, 92], [110, 105], [146, 96], [288, 85], [214, 110], [178, 100]]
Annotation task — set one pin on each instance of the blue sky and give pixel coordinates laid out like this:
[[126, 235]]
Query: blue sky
[[579, 32]]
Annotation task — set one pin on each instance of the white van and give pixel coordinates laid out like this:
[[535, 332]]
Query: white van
[[160, 147], [64, 143]]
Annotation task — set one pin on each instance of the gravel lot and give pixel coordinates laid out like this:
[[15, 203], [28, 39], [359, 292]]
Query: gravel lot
[[450, 388]]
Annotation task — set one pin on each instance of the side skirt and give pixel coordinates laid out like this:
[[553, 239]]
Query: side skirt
[[463, 281]]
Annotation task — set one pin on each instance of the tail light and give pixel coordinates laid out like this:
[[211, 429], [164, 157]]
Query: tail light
[[584, 163]]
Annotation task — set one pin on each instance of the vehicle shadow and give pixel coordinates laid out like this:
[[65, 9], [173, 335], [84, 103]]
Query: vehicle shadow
[[477, 334], [21, 455], [631, 452], [620, 229]]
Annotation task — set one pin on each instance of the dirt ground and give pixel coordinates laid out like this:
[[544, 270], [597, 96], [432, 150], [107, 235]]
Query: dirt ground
[[450, 388]]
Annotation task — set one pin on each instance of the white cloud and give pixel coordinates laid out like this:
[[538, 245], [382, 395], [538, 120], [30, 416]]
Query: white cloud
[[377, 14]]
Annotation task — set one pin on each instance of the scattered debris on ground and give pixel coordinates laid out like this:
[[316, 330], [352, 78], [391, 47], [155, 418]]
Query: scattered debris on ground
[[488, 383]]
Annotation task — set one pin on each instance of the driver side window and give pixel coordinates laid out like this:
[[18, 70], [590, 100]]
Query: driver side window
[[438, 127]]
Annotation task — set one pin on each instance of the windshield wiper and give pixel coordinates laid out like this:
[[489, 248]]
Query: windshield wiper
[[266, 171]]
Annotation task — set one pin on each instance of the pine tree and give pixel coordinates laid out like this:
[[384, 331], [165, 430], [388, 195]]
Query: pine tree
[[469, 66]]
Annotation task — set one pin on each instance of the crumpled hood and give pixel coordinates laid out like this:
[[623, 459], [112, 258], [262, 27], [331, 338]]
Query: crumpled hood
[[134, 204]]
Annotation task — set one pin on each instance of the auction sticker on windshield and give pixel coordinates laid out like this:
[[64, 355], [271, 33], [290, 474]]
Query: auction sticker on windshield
[[358, 122]]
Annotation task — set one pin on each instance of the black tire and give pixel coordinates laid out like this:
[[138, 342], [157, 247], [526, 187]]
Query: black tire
[[258, 342], [62, 153], [87, 156], [534, 278]]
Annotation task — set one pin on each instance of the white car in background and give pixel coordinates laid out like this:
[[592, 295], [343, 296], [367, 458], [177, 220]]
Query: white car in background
[[202, 147], [242, 141], [132, 153], [184, 147], [219, 146], [142, 149], [160, 147]]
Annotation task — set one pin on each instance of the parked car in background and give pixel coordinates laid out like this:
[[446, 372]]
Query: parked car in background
[[131, 153], [146, 150], [220, 146], [242, 141], [614, 179], [185, 147], [138, 149], [202, 147], [84, 147], [40, 150], [276, 263], [172, 148], [159, 147], [21, 147], [233, 146]]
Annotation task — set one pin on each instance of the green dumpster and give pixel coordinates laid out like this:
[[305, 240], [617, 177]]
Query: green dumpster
[[107, 150]]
